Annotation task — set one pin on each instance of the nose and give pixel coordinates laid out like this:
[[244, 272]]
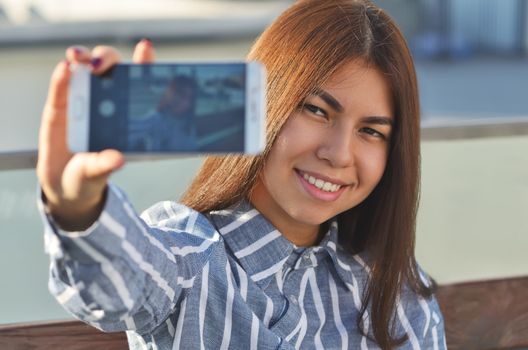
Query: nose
[[337, 148]]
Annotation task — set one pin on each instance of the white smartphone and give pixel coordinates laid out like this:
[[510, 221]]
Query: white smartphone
[[166, 108]]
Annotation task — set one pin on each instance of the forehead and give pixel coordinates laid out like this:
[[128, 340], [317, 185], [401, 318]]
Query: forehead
[[359, 85]]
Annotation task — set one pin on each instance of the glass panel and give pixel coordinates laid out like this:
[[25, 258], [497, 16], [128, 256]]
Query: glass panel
[[471, 225], [23, 263], [472, 221]]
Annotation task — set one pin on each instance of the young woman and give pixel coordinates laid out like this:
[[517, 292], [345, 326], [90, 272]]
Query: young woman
[[309, 245]]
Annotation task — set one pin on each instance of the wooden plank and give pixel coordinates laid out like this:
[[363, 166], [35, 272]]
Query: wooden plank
[[486, 314], [67, 335]]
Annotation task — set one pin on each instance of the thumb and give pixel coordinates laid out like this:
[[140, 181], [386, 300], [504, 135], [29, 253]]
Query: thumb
[[103, 163]]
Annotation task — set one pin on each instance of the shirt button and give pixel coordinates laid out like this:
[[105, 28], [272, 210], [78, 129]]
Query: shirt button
[[306, 257]]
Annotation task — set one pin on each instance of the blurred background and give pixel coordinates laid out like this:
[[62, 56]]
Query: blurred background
[[472, 63]]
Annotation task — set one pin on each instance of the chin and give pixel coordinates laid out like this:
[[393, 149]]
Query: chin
[[311, 216]]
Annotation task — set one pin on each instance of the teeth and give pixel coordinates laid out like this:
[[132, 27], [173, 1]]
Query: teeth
[[320, 184]]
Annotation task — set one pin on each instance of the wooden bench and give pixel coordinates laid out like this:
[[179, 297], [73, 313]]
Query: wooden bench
[[486, 314], [478, 315]]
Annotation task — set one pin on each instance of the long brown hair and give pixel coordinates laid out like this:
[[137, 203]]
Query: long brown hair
[[301, 50]]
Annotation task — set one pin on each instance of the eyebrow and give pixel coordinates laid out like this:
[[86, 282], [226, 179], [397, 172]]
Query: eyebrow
[[329, 99], [332, 102], [378, 120]]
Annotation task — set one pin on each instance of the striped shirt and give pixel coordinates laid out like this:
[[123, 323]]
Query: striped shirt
[[177, 279]]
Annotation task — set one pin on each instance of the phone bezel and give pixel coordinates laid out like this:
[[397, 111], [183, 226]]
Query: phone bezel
[[255, 122], [79, 108]]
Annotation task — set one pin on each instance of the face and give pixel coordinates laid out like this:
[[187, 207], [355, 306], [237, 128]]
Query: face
[[330, 154], [181, 100]]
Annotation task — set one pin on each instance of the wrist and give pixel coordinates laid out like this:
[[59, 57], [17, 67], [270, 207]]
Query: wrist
[[75, 216]]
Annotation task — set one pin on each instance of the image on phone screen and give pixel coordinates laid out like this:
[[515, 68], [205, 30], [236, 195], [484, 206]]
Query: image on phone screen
[[169, 108]]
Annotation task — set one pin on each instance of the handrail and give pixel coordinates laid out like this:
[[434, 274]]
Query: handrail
[[474, 128], [431, 131], [18, 160]]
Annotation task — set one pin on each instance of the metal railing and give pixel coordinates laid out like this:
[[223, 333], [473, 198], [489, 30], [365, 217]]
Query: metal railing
[[470, 129], [431, 131]]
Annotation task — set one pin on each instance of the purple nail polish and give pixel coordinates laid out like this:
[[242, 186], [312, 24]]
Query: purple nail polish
[[77, 50], [96, 62]]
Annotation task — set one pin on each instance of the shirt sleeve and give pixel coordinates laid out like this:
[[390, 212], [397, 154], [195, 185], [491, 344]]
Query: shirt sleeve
[[127, 272]]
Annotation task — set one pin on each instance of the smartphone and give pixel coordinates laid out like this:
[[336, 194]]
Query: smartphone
[[166, 108]]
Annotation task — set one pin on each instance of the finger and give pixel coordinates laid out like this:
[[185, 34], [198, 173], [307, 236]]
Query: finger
[[53, 152], [103, 163], [144, 52], [104, 57], [58, 90], [78, 54]]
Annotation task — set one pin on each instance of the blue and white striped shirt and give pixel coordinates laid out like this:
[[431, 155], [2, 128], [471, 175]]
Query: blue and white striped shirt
[[177, 279]]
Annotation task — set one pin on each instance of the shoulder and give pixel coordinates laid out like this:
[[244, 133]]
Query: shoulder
[[409, 296], [419, 315], [171, 215]]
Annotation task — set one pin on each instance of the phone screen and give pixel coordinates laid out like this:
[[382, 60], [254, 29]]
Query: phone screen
[[169, 108]]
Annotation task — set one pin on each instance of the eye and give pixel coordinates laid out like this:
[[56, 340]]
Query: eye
[[315, 110], [373, 133]]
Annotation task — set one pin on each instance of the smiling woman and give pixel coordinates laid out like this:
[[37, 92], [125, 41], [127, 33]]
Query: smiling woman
[[343, 110], [329, 156], [308, 245]]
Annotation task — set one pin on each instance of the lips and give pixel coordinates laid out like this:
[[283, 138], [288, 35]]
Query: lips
[[321, 187]]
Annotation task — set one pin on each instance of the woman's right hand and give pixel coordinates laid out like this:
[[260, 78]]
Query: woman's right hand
[[74, 185]]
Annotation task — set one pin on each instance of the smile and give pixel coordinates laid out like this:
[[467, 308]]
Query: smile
[[321, 187], [321, 184]]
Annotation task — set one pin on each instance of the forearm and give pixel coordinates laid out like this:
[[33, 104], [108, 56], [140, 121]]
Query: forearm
[[108, 274]]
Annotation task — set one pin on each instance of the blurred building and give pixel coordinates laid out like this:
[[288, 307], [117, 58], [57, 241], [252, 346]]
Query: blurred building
[[435, 28], [459, 28], [37, 22]]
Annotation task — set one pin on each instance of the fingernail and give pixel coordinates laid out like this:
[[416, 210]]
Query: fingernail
[[77, 50], [146, 41], [96, 62]]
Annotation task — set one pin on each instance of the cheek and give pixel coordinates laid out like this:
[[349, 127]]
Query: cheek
[[373, 166], [282, 143], [275, 163], [293, 141]]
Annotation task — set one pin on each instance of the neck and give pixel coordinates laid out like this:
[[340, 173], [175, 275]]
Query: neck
[[302, 238]]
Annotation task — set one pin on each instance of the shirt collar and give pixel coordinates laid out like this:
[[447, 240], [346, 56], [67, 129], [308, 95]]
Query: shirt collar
[[262, 250], [257, 245]]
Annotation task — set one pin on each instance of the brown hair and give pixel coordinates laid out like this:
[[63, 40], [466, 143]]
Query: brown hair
[[302, 49]]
